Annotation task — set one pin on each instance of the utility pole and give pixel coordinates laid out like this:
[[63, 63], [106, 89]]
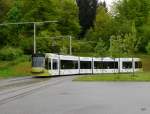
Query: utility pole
[[70, 45], [34, 40], [34, 24]]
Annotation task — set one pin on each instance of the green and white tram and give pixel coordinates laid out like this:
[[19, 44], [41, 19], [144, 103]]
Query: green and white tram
[[54, 65]]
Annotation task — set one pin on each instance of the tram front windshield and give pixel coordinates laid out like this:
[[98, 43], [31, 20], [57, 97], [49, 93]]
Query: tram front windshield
[[38, 60]]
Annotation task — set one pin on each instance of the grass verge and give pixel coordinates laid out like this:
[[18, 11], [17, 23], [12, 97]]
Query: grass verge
[[143, 76], [17, 68]]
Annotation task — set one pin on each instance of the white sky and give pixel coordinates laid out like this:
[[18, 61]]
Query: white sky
[[108, 2]]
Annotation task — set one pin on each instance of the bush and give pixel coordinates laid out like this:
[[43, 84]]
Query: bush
[[86, 47], [26, 44], [148, 48], [10, 53], [101, 48]]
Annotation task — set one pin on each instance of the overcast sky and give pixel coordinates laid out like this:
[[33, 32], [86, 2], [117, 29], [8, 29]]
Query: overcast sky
[[109, 2]]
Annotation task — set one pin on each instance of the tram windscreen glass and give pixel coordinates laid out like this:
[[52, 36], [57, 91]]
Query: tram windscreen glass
[[69, 64], [85, 65], [38, 61], [138, 64], [127, 65], [105, 65]]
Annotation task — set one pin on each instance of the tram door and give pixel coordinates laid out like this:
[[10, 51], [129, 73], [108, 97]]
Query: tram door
[[55, 67]]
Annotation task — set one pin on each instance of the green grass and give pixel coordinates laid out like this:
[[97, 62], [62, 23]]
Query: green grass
[[16, 68], [143, 76]]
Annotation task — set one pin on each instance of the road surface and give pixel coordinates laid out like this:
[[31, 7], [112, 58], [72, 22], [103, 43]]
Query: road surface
[[63, 96]]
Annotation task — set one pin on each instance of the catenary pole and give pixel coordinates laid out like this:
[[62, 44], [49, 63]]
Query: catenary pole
[[34, 40], [34, 24], [70, 45]]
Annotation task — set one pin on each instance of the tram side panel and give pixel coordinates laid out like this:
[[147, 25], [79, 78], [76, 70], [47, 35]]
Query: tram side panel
[[138, 65], [52, 64], [69, 65], [110, 65], [129, 65], [105, 65], [86, 65], [97, 65]]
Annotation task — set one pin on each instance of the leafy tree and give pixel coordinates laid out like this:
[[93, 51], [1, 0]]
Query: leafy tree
[[124, 44], [101, 30], [100, 48], [68, 20], [116, 48], [15, 13], [103, 27], [148, 48], [5, 5], [138, 10], [87, 14]]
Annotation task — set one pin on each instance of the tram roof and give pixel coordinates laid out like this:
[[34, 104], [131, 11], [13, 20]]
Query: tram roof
[[69, 57]]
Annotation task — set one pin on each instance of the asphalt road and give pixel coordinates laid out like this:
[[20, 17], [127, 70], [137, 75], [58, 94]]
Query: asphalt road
[[62, 96]]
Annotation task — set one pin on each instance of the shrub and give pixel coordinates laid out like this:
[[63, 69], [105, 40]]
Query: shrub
[[101, 48], [85, 47], [148, 48], [26, 44], [10, 53]]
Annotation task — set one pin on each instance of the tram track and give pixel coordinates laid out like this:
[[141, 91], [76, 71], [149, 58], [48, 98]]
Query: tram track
[[14, 81], [20, 92], [17, 86]]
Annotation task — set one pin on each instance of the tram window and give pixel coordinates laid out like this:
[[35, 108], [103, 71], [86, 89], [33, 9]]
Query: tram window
[[49, 64], [112, 65], [85, 64], [55, 64], [106, 65], [98, 65], [46, 63], [138, 64], [68, 64], [127, 65]]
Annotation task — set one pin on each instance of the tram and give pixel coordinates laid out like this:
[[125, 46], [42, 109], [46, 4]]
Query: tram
[[50, 64]]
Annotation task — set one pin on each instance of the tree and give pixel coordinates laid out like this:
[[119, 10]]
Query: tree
[[65, 12], [5, 5], [138, 10], [15, 13], [103, 27], [116, 48], [127, 44], [87, 14], [68, 20], [100, 48], [131, 42], [148, 48]]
